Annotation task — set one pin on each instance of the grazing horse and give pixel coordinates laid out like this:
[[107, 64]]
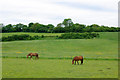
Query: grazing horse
[[77, 58], [33, 54]]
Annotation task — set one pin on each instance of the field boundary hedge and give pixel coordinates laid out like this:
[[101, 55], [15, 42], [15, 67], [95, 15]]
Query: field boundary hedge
[[24, 37], [62, 58], [85, 35], [62, 36]]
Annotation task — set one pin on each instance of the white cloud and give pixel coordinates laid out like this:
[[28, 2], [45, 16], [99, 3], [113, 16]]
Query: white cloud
[[102, 12]]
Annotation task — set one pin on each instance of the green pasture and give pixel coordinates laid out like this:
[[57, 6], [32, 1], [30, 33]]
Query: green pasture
[[95, 48], [105, 47], [58, 68]]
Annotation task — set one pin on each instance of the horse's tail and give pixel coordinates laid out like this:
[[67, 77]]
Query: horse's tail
[[82, 61]]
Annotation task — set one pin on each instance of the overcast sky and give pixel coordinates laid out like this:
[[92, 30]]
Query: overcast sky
[[102, 12]]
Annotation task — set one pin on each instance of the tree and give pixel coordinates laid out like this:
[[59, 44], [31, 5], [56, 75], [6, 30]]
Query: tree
[[25, 28], [19, 27], [7, 28], [69, 25], [30, 24], [38, 28], [95, 28], [67, 22], [50, 28], [59, 29], [88, 29], [79, 27], [94, 25]]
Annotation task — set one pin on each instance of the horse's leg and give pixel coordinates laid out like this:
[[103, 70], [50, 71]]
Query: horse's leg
[[82, 61], [30, 57], [75, 62], [37, 57], [78, 62]]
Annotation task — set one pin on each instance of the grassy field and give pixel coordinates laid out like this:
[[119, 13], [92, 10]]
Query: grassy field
[[105, 47], [48, 68], [62, 48]]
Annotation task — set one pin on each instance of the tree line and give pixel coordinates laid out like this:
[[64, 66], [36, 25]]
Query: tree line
[[66, 26]]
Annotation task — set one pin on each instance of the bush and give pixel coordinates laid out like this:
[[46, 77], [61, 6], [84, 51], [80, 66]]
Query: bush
[[42, 36], [78, 35], [25, 37], [20, 37]]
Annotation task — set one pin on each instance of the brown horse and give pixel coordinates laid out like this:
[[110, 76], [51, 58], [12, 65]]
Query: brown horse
[[77, 58], [33, 54]]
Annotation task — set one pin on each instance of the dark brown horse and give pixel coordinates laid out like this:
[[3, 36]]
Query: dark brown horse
[[32, 54], [77, 58]]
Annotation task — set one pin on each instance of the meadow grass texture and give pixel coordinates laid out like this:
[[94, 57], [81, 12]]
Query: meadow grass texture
[[105, 47], [50, 68]]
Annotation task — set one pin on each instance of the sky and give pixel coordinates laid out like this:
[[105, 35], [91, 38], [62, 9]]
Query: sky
[[101, 12]]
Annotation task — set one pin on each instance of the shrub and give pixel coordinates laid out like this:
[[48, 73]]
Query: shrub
[[78, 35], [18, 37], [42, 36]]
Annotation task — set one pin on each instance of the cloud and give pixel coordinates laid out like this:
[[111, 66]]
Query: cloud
[[86, 6], [55, 11]]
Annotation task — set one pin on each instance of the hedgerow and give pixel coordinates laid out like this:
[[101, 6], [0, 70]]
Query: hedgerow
[[78, 35]]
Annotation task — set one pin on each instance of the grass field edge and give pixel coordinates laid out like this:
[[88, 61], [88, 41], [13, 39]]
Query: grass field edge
[[62, 58]]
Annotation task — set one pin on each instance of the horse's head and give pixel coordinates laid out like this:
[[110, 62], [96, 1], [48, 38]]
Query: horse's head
[[72, 62], [28, 55]]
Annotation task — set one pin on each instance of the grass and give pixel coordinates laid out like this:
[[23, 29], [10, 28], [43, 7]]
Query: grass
[[105, 48], [48, 68], [109, 35], [89, 48]]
